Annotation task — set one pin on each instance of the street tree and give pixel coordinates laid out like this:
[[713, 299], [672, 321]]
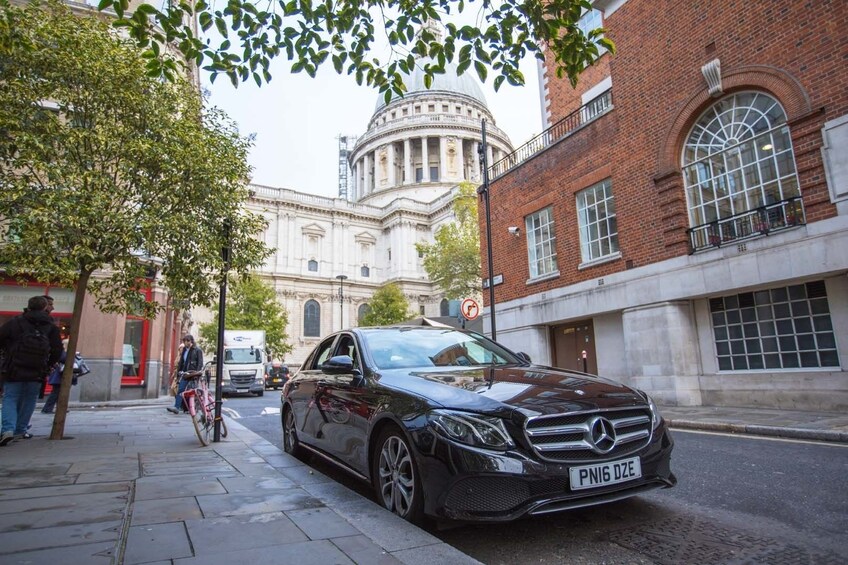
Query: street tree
[[388, 306], [309, 34], [112, 180], [452, 261], [252, 305]]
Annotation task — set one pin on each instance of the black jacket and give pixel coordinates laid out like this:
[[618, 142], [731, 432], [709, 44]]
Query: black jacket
[[12, 330], [194, 361]]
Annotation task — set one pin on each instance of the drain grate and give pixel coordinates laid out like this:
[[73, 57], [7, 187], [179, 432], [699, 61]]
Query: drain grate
[[689, 540]]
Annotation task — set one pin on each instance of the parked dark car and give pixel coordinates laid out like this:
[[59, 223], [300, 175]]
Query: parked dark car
[[448, 424], [276, 375]]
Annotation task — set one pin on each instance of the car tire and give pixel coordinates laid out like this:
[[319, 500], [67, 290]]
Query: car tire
[[291, 444], [395, 478], [260, 393]]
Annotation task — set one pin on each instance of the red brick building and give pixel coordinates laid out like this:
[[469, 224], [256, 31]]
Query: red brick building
[[683, 222]]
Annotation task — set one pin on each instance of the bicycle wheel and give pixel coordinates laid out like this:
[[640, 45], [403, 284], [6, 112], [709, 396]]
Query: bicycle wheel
[[202, 426]]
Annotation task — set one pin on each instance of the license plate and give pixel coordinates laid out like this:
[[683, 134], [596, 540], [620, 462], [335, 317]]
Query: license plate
[[602, 474]]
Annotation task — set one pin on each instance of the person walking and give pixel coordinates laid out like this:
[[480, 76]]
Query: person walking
[[32, 345], [191, 360]]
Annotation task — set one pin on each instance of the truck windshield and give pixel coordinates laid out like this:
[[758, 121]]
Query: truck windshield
[[242, 355]]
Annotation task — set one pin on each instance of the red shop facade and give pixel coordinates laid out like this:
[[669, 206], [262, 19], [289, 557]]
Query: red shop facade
[[129, 357]]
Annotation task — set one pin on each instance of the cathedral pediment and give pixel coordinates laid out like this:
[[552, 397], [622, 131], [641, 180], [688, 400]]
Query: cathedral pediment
[[313, 229], [365, 237]]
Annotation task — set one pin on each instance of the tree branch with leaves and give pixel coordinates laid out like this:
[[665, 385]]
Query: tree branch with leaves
[[107, 172], [309, 33]]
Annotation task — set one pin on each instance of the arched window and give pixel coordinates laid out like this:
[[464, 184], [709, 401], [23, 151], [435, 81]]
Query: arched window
[[360, 313], [312, 319], [365, 271], [738, 157], [313, 265], [444, 307]]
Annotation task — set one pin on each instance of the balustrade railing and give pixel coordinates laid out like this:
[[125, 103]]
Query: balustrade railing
[[753, 223], [559, 130]]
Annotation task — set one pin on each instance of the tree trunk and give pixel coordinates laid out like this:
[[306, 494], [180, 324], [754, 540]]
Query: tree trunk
[[58, 430]]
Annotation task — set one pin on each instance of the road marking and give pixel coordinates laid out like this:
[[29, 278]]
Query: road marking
[[269, 411], [765, 438], [231, 413]]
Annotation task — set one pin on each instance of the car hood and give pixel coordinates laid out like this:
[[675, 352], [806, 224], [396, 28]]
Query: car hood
[[533, 390]]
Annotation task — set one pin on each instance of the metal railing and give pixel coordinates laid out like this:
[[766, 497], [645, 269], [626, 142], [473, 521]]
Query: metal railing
[[753, 223], [563, 128]]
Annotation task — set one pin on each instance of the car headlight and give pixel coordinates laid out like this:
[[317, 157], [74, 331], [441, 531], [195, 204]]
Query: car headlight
[[656, 418], [472, 429]]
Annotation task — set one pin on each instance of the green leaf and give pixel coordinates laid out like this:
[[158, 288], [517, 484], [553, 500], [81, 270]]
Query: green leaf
[[481, 70]]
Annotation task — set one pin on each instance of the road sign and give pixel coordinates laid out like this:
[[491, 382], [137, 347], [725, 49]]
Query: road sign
[[469, 309]]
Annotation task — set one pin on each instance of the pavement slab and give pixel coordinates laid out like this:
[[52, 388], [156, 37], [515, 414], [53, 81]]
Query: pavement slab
[[157, 511], [321, 523], [304, 553], [156, 542], [89, 554], [232, 533], [240, 504], [59, 536]]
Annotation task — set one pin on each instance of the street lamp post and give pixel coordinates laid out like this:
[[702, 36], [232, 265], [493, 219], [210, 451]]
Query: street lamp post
[[342, 279], [483, 190]]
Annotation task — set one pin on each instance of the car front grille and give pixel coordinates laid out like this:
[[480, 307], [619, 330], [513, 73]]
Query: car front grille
[[568, 438]]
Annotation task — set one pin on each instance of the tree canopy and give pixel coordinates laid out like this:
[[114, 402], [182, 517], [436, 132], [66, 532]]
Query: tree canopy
[[452, 261], [252, 305], [388, 306], [111, 178], [310, 33]]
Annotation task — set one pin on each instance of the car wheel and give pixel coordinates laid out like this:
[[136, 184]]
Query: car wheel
[[395, 476], [291, 444], [260, 393]]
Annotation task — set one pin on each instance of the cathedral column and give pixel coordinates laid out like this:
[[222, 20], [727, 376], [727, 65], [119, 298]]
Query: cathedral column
[[490, 155], [407, 162], [460, 150], [425, 161], [392, 170], [443, 159], [354, 184], [475, 161], [366, 184]]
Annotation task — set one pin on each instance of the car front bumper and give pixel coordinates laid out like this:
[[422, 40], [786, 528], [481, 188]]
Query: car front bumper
[[468, 484], [229, 388]]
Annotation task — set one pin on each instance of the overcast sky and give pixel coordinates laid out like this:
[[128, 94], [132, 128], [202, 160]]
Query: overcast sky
[[297, 119]]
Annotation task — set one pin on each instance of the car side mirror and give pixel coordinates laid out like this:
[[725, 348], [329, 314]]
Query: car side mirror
[[523, 356], [338, 365]]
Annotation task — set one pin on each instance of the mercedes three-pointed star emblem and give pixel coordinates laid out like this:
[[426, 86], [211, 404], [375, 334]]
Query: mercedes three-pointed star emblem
[[601, 435]]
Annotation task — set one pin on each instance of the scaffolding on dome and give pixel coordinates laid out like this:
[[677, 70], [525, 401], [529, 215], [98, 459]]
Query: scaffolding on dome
[[346, 143]]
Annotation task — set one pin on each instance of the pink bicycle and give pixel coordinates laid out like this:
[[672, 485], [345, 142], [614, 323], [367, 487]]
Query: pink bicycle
[[201, 406]]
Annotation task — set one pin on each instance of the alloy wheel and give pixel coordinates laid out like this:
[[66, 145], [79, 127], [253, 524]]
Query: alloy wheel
[[396, 476]]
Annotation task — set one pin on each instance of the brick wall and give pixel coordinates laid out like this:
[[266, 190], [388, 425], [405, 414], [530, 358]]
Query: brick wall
[[795, 51]]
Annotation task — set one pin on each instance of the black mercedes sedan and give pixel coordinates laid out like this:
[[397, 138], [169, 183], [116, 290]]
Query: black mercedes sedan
[[450, 425]]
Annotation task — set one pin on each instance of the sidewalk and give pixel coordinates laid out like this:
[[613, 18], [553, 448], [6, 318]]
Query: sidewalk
[[794, 424], [135, 486]]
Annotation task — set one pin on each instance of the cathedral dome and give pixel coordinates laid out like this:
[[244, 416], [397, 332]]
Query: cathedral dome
[[448, 82]]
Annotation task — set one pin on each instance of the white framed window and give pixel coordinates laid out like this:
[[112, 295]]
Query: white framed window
[[738, 157], [596, 218], [591, 20], [541, 243]]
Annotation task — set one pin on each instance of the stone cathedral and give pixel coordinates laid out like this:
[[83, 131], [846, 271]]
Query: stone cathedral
[[331, 254]]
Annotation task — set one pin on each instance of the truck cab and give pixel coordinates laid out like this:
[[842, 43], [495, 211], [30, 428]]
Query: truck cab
[[244, 362]]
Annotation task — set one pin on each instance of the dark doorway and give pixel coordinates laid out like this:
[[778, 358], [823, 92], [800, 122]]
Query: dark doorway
[[574, 347]]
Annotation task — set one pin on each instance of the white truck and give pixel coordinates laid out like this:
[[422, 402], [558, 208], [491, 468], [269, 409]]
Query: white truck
[[244, 362]]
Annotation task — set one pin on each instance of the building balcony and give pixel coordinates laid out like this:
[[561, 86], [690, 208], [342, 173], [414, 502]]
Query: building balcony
[[761, 221], [560, 130]]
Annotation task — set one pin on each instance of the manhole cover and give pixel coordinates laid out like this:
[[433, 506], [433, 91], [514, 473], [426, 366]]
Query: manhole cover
[[689, 540]]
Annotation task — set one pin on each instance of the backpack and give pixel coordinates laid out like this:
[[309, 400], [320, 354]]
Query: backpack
[[31, 352]]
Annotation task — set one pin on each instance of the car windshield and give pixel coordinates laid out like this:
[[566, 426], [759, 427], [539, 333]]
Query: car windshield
[[242, 355], [394, 348]]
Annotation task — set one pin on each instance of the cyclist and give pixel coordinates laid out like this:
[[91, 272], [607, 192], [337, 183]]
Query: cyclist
[[191, 361]]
